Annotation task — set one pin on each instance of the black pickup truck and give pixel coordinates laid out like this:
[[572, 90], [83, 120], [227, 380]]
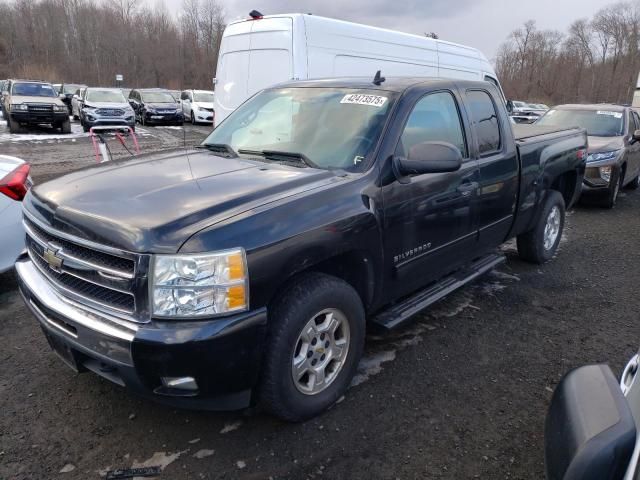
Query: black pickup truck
[[247, 270]]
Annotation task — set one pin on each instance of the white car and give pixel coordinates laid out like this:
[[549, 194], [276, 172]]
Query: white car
[[76, 102], [197, 105], [15, 182]]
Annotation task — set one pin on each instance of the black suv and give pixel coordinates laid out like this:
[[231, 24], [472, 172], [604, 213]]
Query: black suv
[[155, 106]]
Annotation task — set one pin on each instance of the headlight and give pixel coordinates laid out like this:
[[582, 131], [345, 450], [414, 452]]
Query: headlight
[[151, 110], [88, 107], [19, 106], [200, 285], [605, 173], [60, 108], [597, 157]]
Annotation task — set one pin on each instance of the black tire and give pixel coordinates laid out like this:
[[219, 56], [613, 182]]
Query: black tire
[[303, 301], [609, 200], [15, 127], [531, 245], [65, 127], [634, 184]]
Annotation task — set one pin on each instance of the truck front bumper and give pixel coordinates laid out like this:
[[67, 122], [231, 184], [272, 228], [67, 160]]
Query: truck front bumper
[[221, 356], [34, 118]]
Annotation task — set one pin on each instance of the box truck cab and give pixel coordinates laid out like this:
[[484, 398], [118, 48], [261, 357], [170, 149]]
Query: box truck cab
[[259, 52]]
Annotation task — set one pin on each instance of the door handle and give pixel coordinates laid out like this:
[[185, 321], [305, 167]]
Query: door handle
[[467, 188]]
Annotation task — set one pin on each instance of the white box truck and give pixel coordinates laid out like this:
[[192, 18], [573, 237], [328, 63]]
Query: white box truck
[[261, 51]]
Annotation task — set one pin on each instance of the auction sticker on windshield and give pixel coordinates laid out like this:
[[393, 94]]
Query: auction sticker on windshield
[[362, 99], [612, 114]]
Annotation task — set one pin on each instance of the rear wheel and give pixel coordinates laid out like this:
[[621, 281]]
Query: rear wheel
[[541, 243], [313, 347]]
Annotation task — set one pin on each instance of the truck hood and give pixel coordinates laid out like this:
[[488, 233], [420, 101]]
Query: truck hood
[[26, 99], [155, 204], [605, 144]]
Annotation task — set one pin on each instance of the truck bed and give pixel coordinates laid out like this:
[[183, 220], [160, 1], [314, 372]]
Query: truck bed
[[524, 132]]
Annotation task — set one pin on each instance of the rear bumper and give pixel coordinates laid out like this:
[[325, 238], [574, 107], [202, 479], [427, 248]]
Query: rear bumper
[[223, 355]]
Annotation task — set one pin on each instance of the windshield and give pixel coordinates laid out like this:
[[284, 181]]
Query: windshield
[[33, 90], [107, 96], [125, 92], [69, 88], [158, 97], [332, 127], [205, 97], [598, 123]]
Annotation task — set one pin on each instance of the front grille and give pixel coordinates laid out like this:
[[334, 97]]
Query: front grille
[[40, 108], [110, 112], [167, 112], [100, 258], [83, 274]]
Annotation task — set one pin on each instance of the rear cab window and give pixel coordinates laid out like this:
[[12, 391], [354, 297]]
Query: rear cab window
[[485, 121]]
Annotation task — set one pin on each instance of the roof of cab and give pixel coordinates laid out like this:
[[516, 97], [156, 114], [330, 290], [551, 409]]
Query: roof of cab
[[390, 84]]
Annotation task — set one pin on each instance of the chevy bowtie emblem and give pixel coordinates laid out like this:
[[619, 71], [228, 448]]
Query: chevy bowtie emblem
[[54, 262]]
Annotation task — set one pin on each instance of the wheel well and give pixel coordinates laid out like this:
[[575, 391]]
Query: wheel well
[[623, 171], [354, 267], [566, 185]]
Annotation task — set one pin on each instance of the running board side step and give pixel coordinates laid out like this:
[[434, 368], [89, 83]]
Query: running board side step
[[401, 312]]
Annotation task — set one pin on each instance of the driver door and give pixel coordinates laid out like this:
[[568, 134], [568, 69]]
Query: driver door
[[429, 223]]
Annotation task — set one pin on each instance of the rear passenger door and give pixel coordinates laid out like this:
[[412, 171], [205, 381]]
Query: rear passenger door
[[498, 166], [429, 222]]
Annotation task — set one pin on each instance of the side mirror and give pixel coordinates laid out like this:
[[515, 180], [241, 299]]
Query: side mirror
[[509, 106], [428, 157], [636, 136], [590, 433]]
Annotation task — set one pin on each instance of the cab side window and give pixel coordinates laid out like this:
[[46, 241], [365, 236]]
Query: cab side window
[[435, 118], [485, 121], [184, 96], [636, 119]]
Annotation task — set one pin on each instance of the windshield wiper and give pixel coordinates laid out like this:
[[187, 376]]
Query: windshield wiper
[[283, 156], [219, 148]]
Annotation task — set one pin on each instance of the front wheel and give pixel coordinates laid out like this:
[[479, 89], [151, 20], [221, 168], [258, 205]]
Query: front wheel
[[541, 243], [315, 341], [65, 127], [611, 197]]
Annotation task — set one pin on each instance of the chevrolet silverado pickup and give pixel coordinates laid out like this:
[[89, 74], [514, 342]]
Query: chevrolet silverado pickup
[[247, 270]]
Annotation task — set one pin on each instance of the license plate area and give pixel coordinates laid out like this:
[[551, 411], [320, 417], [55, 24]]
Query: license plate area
[[64, 351]]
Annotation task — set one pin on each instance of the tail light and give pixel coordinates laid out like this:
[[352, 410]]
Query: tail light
[[16, 184], [582, 154]]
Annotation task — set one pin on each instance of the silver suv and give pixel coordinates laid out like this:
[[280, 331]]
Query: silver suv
[[105, 107]]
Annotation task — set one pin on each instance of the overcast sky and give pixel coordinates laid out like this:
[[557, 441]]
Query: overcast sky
[[483, 24]]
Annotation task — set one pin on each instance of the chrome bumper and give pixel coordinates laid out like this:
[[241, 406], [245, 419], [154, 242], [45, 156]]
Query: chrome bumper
[[88, 330]]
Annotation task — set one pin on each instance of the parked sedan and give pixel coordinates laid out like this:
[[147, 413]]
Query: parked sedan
[[155, 106], [613, 159], [105, 107], [197, 105], [14, 184]]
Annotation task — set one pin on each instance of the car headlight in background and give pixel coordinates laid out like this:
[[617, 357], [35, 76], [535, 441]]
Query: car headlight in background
[[605, 173], [151, 110], [199, 285], [19, 107], [599, 156]]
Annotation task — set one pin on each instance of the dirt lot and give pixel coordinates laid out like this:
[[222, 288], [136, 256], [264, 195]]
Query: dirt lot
[[460, 393]]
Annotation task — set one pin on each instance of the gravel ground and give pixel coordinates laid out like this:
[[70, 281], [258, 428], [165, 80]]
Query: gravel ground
[[460, 393]]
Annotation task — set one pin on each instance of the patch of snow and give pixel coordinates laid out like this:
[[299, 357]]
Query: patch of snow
[[203, 453], [372, 365], [69, 467], [241, 464], [159, 459], [230, 427], [195, 440]]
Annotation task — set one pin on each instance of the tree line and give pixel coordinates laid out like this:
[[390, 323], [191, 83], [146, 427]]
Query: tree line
[[596, 60], [90, 41]]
